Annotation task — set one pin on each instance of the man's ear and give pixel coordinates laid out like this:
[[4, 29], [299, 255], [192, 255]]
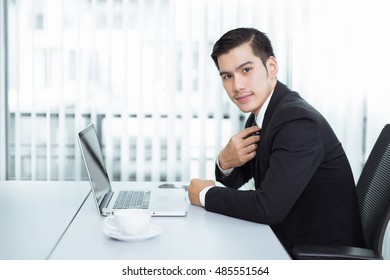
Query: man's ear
[[272, 67]]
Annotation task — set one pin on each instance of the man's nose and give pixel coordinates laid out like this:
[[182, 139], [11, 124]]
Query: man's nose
[[239, 83]]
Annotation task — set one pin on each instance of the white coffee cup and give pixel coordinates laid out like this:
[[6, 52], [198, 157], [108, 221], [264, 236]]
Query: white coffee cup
[[129, 221]]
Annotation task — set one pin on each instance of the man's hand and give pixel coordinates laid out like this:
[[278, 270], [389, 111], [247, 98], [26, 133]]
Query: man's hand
[[195, 187], [240, 149]]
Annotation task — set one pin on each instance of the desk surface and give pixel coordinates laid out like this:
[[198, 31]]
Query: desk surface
[[199, 235], [35, 214]]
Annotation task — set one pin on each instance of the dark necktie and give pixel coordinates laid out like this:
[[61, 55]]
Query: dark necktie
[[255, 123], [254, 162]]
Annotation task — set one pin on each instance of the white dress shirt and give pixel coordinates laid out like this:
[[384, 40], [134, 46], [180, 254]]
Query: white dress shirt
[[259, 122]]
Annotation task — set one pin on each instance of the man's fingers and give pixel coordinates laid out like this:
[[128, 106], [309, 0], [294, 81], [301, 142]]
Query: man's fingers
[[251, 148], [251, 140], [249, 131]]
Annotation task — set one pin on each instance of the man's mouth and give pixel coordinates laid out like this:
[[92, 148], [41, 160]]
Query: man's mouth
[[244, 98]]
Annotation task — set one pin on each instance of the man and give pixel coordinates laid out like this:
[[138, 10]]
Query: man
[[304, 187]]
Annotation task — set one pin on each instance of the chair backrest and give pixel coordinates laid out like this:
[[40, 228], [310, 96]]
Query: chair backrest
[[373, 189]]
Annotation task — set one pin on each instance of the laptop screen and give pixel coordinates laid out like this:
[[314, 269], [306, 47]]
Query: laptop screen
[[94, 162]]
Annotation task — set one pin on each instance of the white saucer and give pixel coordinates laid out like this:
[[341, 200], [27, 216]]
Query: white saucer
[[152, 231]]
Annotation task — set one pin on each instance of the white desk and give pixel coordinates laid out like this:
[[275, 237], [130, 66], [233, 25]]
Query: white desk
[[199, 235], [35, 214]]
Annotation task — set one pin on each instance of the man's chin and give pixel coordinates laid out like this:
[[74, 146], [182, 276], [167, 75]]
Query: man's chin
[[247, 109]]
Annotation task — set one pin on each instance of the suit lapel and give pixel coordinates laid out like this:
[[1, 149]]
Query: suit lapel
[[255, 164], [278, 94]]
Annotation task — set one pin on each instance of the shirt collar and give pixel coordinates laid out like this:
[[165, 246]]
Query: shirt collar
[[263, 109]]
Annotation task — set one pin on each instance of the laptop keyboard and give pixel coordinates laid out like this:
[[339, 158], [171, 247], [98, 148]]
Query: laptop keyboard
[[132, 199]]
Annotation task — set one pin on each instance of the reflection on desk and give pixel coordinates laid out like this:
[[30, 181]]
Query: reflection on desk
[[199, 235]]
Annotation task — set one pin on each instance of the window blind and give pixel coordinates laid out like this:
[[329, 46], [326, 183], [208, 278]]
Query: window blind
[[140, 70]]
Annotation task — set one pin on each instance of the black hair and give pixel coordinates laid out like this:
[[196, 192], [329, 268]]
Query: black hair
[[258, 40]]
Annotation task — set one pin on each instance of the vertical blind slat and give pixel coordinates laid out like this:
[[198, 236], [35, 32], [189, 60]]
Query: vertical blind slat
[[124, 156], [18, 154], [140, 148], [187, 61], [156, 114], [92, 88], [171, 94], [3, 92], [61, 105], [203, 104], [33, 151], [108, 127], [79, 94]]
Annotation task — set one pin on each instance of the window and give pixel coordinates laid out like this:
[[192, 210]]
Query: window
[[140, 70]]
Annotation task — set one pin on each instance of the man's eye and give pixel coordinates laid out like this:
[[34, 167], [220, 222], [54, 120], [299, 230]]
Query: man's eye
[[246, 70], [226, 77]]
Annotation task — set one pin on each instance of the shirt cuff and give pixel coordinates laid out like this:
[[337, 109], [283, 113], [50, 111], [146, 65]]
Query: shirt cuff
[[202, 196], [226, 172]]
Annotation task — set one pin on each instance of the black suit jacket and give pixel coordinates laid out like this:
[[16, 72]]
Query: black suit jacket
[[304, 187]]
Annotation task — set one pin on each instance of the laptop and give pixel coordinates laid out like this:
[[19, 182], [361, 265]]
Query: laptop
[[161, 202]]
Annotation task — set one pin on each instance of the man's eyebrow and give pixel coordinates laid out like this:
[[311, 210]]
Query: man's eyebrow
[[237, 68], [244, 64], [224, 73]]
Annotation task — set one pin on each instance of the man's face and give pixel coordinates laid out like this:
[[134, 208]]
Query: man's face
[[245, 78]]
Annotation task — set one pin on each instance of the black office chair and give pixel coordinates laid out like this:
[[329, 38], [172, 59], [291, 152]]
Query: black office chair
[[373, 190]]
